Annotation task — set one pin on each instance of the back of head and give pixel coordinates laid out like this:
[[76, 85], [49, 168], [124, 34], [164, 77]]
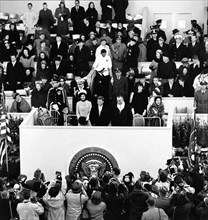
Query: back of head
[[26, 193], [96, 198], [53, 191], [37, 174], [150, 201], [138, 185]]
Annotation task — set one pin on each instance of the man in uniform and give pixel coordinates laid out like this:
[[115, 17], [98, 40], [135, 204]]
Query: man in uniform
[[57, 100]]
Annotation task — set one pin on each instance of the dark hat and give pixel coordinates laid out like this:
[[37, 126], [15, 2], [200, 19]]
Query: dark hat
[[141, 76], [82, 120], [153, 31], [41, 32], [150, 201], [203, 83], [132, 39], [96, 198], [119, 37], [103, 39], [193, 21], [117, 70], [79, 40], [55, 78], [175, 31], [190, 32], [159, 21], [166, 54], [163, 190], [103, 51], [76, 187], [43, 61], [152, 27], [184, 60], [58, 58]]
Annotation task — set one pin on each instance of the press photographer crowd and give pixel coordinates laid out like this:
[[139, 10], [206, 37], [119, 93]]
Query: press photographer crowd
[[179, 192]]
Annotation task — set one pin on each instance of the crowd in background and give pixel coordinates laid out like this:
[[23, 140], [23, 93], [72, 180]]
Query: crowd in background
[[178, 192], [95, 61]]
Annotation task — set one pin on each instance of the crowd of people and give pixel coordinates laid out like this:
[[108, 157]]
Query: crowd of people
[[178, 192], [102, 63]]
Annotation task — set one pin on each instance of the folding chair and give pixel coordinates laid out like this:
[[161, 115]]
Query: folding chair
[[138, 120]]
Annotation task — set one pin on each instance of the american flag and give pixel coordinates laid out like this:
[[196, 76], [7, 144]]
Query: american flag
[[5, 136]]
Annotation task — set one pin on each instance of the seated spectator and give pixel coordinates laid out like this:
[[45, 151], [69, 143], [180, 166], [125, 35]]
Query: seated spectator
[[171, 88], [203, 76], [83, 108], [156, 87], [43, 70], [153, 211], [43, 48], [194, 47], [6, 51], [195, 68], [66, 87], [100, 113], [41, 37], [28, 209], [131, 76], [156, 110], [185, 88], [154, 64], [26, 59], [38, 96], [96, 206], [98, 30], [45, 83], [20, 104], [71, 67], [105, 37], [58, 67], [121, 113], [139, 101]]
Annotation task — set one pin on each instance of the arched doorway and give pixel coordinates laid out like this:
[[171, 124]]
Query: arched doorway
[[92, 161]]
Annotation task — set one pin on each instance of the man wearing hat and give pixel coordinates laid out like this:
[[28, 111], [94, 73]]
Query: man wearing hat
[[92, 44], [201, 99], [153, 212], [58, 68], [160, 32], [81, 57], [151, 45], [57, 100], [174, 33], [119, 51], [178, 49]]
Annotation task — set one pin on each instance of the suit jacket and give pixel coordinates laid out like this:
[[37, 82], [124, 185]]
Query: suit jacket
[[201, 100], [100, 120], [194, 50], [62, 50], [123, 118], [14, 74], [61, 71], [175, 90], [177, 54]]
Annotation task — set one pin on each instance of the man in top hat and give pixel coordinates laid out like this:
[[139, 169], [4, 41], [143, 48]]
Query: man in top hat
[[174, 33], [178, 50], [119, 51], [201, 99], [81, 57], [57, 100], [160, 32]]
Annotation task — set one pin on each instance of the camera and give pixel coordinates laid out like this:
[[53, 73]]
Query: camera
[[58, 176]]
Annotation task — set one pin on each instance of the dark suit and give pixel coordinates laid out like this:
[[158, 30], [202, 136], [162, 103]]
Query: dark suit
[[120, 10], [175, 90], [14, 74], [106, 11], [46, 19], [177, 54], [194, 50], [123, 118], [62, 50], [100, 120], [77, 17], [60, 71]]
